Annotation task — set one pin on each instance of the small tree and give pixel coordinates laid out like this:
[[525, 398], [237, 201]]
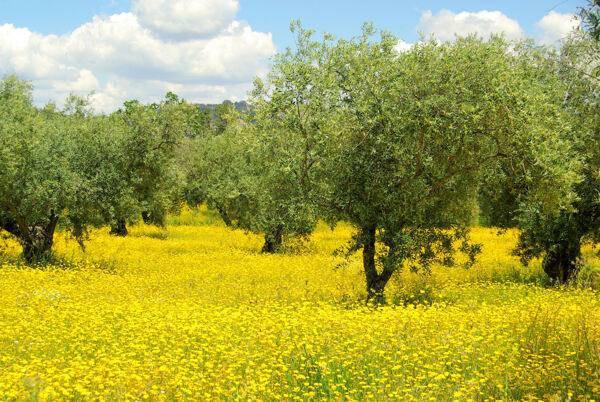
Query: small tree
[[265, 171], [291, 117], [214, 162], [153, 136], [221, 172], [101, 159]]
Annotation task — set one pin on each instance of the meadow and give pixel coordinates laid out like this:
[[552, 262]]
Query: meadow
[[195, 311]]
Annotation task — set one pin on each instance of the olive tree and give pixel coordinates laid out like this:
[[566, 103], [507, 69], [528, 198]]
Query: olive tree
[[215, 164], [221, 171], [265, 171], [34, 175], [558, 238], [101, 161], [292, 115], [417, 132], [154, 134], [49, 160]]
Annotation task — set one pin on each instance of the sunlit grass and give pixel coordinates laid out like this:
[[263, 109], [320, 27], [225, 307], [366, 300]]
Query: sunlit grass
[[195, 311]]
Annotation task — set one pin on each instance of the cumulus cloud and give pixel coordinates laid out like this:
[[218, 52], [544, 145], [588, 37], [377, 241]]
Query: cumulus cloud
[[135, 55], [555, 26], [445, 24], [185, 19], [403, 46]]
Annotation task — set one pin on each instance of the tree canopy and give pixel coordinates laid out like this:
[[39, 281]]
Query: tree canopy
[[41, 183], [76, 168], [420, 129], [558, 238], [397, 143], [405, 145]]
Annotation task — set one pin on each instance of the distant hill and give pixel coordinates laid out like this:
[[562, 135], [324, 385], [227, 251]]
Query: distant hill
[[241, 106]]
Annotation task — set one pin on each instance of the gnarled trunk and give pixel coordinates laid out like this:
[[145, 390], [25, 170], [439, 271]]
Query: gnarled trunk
[[36, 240], [119, 228], [560, 262], [38, 245], [273, 240], [375, 281]]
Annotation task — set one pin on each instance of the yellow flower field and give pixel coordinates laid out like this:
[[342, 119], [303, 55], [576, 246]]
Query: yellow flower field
[[196, 312]]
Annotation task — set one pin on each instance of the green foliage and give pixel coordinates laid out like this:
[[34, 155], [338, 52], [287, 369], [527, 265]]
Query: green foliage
[[291, 122], [264, 172], [590, 16], [40, 181], [77, 169], [222, 171], [101, 161], [221, 113], [419, 131], [558, 237], [153, 135]]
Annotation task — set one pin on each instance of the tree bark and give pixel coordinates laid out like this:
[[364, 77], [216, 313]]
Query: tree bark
[[560, 262], [119, 228], [375, 281], [38, 245], [273, 240]]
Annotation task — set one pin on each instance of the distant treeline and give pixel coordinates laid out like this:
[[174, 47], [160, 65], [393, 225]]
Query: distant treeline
[[241, 106]]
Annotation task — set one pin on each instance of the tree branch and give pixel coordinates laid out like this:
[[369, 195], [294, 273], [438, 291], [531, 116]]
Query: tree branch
[[449, 175], [25, 234]]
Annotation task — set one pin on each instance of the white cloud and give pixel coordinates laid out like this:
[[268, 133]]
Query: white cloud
[[555, 26], [403, 46], [121, 58], [185, 19], [446, 24], [85, 82]]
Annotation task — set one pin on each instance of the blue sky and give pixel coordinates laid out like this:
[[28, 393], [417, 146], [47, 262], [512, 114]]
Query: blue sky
[[209, 50], [344, 18]]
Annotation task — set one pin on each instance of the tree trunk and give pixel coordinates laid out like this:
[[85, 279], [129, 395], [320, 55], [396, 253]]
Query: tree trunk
[[119, 228], [35, 240], [223, 214], [375, 281], [273, 240], [560, 262], [146, 217], [37, 245]]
